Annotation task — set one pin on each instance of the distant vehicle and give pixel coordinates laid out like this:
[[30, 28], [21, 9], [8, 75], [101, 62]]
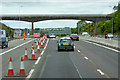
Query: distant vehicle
[[74, 37], [36, 41], [109, 35], [52, 36], [65, 43], [42, 34], [3, 39], [85, 34]]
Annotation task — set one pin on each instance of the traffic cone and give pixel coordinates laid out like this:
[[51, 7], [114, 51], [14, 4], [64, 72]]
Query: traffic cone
[[46, 38], [41, 44], [43, 41], [36, 44], [33, 55], [22, 70], [32, 48], [38, 49], [25, 56], [10, 69]]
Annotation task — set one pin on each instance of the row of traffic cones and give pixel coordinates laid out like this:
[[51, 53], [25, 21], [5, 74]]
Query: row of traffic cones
[[22, 69], [11, 70]]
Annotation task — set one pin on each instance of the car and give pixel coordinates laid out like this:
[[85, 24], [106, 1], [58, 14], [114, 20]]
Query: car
[[74, 37], [65, 43], [109, 35], [52, 36]]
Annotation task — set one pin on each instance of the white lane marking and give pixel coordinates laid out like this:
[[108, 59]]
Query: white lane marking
[[38, 60], [78, 50], [77, 71], [86, 58], [44, 47], [32, 70], [103, 46], [74, 47], [30, 73], [100, 71], [16, 47]]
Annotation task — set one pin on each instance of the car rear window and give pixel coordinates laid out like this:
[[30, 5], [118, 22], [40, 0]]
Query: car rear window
[[74, 35], [65, 40]]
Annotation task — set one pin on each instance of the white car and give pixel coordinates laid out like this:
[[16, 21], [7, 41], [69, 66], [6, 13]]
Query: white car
[[109, 35], [52, 36]]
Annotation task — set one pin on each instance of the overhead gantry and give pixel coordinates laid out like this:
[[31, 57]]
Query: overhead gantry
[[41, 17]]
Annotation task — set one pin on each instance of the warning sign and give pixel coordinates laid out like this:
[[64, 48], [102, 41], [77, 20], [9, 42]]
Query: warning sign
[[36, 34]]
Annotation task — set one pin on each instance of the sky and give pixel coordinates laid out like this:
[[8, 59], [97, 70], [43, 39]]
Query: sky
[[8, 7]]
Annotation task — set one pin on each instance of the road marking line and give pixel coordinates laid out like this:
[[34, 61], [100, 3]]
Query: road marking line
[[38, 60], [103, 46], [30, 73], [16, 47], [44, 47], [86, 58], [100, 71], [77, 71], [32, 70], [74, 46], [78, 50]]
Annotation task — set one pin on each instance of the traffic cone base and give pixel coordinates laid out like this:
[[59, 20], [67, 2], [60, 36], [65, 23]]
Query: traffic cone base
[[22, 72], [25, 57], [41, 46], [10, 72], [38, 50], [33, 56], [44, 43]]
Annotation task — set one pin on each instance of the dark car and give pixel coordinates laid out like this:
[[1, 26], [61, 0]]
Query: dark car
[[65, 43], [74, 37]]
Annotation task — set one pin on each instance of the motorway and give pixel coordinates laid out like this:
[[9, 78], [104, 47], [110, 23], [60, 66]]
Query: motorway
[[87, 61]]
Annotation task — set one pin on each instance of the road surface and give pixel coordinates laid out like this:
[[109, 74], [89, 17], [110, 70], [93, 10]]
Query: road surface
[[87, 61]]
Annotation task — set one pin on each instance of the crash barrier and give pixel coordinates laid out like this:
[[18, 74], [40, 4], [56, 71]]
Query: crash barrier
[[22, 70], [108, 42]]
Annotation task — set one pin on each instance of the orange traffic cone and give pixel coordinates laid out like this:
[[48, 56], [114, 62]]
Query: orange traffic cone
[[25, 56], [22, 70], [41, 44], [10, 69], [38, 49], [33, 54]]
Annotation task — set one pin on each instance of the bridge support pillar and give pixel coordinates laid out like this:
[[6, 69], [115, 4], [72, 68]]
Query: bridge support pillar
[[32, 27], [95, 29]]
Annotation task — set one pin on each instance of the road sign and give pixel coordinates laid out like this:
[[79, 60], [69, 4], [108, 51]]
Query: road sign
[[36, 34], [17, 33]]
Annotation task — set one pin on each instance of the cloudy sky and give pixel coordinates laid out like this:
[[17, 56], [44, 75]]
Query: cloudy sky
[[53, 7]]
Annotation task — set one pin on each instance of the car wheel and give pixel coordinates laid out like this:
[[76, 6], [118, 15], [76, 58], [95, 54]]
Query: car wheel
[[2, 47], [72, 49], [6, 46], [58, 49]]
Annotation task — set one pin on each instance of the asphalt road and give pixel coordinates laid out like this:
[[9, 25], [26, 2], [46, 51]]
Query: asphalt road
[[87, 61], [16, 54]]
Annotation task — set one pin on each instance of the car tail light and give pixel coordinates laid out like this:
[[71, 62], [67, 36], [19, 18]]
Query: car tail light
[[59, 44]]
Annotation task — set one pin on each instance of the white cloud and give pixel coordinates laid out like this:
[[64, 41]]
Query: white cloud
[[60, 0]]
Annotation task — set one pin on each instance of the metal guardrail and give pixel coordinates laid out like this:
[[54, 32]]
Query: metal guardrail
[[108, 42]]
